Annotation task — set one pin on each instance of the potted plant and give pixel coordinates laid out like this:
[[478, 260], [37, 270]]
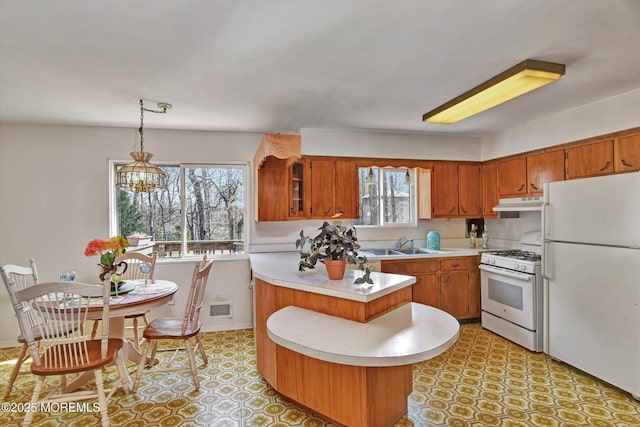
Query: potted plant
[[334, 246]]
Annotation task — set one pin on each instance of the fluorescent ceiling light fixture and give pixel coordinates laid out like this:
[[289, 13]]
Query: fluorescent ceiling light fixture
[[524, 77]]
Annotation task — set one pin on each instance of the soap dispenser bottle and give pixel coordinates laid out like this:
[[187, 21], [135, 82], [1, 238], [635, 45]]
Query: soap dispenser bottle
[[485, 238]]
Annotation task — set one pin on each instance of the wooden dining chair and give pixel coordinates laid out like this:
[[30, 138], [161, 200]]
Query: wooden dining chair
[[133, 260], [64, 347], [184, 329], [19, 277]]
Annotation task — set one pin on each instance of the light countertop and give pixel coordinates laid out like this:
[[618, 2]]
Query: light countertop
[[281, 269], [409, 334]]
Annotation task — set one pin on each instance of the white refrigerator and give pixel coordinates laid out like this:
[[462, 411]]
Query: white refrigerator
[[591, 267]]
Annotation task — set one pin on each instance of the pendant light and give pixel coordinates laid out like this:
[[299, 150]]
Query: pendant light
[[407, 178], [371, 179], [142, 176]]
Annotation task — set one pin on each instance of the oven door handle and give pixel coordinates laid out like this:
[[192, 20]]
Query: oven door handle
[[508, 273]]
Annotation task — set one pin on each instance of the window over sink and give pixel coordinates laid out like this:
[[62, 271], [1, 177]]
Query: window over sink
[[387, 197], [202, 211]]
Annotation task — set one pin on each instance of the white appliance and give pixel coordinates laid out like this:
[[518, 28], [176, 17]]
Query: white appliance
[[592, 276], [518, 204], [511, 292]]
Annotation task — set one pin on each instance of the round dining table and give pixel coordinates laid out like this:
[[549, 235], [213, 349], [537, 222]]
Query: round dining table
[[134, 298]]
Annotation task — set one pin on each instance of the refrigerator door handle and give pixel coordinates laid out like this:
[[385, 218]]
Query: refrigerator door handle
[[546, 261]]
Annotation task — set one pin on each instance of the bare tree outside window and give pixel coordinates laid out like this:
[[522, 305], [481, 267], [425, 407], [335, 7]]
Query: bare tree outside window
[[213, 206], [385, 198]]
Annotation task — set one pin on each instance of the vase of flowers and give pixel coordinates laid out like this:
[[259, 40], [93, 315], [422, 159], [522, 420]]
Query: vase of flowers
[[108, 250]]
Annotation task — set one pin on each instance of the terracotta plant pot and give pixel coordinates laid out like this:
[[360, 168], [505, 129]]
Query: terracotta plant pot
[[335, 268]]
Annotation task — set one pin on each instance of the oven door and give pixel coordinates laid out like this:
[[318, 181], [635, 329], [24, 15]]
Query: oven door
[[508, 294]]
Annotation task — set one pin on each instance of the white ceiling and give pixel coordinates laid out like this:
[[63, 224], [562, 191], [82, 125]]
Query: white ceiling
[[283, 65]]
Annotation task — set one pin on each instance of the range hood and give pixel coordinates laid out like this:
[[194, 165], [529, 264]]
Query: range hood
[[518, 204]]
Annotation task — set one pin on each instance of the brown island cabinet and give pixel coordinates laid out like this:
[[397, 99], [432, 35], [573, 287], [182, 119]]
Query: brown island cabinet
[[342, 350]]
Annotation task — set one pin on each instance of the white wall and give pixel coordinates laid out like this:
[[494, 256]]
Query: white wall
[[54, 199], [321, 142], [597, 118]]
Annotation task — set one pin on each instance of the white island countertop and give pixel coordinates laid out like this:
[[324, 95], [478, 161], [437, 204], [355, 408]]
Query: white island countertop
[[409, 334], [281, 269]]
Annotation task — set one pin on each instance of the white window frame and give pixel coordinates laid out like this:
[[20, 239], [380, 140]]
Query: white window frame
[[413, 205], [113, 211]]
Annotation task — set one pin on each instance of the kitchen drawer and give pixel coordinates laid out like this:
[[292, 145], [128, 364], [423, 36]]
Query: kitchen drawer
[[457, 264], [411, 267]]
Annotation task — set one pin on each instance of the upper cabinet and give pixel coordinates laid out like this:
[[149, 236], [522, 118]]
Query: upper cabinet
[[334, 187], [489, 189], [347, 200], [542, 168], [626, 152], [590, 160], [277, 163], [525, 175], [512, 177], [456, 190]]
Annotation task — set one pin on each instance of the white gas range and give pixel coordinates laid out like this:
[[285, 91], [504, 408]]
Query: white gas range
[[511, 292]]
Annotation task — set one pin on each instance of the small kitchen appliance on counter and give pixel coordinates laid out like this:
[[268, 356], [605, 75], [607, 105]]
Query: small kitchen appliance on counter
[[511, 292]]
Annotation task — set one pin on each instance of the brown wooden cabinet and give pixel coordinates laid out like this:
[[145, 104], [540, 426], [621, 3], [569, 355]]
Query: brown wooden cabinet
[[526, 175], [470, 190], [543, 168], [444, 190], [273, 195], [590, 160], [298, 190], [322, 187], [334, 188], [347, 197], [451, 284], [626, 151], [512, 177], [456, 190], [489, 189]]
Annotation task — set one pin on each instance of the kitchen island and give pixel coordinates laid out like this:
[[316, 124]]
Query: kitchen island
[[341, 349]]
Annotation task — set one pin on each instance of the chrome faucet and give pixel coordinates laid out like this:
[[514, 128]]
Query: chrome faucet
[[400, 243]]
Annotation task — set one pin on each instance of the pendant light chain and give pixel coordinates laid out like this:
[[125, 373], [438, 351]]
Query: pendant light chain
[[141, 176], [141, 130]]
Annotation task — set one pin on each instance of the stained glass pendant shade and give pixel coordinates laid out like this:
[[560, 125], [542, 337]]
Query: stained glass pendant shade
[[141, 176]]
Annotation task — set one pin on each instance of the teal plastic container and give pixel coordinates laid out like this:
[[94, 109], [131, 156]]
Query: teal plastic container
[[433, 241]]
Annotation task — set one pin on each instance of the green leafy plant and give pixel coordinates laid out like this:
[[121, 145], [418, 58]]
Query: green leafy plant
[[334, 242]]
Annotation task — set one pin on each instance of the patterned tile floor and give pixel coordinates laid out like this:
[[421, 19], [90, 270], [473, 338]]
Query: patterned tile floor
[[483, 380]]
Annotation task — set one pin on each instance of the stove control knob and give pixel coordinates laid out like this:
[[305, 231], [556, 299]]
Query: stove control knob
[[493, 262]]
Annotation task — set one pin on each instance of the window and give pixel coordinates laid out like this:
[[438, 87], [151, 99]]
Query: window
[[201, 211], [387, 197]]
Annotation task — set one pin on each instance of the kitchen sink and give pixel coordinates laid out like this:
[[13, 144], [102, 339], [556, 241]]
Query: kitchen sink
[[382, 252], [399, 252]]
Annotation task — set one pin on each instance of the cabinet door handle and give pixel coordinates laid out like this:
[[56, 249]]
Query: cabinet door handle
[[340, 210], [624, 163], [462, 209], [606, 166], [455, 265], [453, 209], [327, 211], [534, 187], [521, 187]]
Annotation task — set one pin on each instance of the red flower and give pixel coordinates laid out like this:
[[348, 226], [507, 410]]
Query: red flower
[[95, 247]]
